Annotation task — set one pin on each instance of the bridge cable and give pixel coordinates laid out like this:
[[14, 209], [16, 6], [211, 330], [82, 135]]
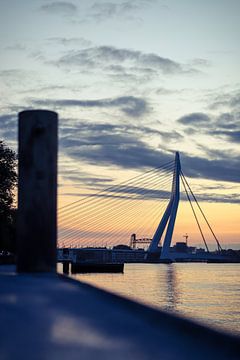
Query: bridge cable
[[121, 220], [109, 189], [209, 226], [194, 213], [110, 232], [113, 202], [112, 217], [99, 206], [95, 198], [70, 233], [73, 213]]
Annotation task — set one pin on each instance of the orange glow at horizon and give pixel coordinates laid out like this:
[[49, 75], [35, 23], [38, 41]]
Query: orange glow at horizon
[[223, 218]]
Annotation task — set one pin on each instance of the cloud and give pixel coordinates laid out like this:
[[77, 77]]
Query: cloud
[[228, 121], [214, 197], [116, 145], [16, 47], [211, 193], [8, 127], [138, 193], [13, 75], [79, 177], [200, 62], [165, 91], [232, 136], [59, 8], [105, 56], [131, 193], [106, 10], [194, 119], [147, 190], [102, 11], [226, 125], [129, 147], [235, 101], [7, 120], [84, 133], [129, 105], [76, 41], [136, 74], [227, 100], [224, 169], [141, 192], [136, 154], [120, 151]]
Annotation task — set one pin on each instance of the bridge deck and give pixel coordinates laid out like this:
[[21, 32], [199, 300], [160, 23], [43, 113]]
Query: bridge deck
[[52, 317]]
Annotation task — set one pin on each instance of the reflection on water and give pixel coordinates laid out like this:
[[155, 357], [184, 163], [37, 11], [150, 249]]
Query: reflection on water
[[172, 292], [207, 292]]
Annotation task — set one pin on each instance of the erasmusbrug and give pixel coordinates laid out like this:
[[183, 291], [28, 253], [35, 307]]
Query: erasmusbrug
[[145, 205]]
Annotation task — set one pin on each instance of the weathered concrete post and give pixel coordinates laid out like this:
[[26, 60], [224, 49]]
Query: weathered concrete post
[[37, 191]]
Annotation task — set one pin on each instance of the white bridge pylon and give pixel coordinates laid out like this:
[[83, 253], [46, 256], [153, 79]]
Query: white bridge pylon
[[169, 216]]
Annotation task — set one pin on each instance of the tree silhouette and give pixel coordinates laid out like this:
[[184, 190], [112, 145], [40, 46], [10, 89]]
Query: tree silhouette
[[8, 181]]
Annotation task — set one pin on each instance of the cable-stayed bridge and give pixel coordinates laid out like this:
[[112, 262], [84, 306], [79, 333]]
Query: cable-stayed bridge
[[145, 205]]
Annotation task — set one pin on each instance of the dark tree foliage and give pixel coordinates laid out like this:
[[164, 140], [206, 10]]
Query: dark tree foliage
[[8, 181]]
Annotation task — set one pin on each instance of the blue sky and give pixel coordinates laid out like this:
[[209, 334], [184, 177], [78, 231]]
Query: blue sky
[[132, 81]]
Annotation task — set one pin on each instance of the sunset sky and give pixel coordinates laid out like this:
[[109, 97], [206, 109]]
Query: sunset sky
[[132, 82]]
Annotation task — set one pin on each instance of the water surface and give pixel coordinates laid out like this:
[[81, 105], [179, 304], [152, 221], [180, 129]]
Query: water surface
[[209, 293]]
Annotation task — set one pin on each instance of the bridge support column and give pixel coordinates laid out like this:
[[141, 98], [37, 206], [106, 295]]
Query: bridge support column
[[169, 215], [174, 208]]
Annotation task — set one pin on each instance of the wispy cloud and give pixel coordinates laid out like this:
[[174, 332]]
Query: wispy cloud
[[8, 127], [59, 8], [130, 147], [105, 56], [224, 125], [200, 62], [224, 169], [71, 41], [117, 145], [194, 119], [127, 10], [16, 47], [231, 135], [212, 197], [132, 153], [129, 105], [227, 100]]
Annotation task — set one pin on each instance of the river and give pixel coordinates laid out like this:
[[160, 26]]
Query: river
[[208, 293]]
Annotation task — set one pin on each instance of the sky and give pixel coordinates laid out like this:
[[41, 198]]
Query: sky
[[132, 82]]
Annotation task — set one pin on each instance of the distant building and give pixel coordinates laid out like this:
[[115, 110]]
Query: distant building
[[120, 253], [180, 247]]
